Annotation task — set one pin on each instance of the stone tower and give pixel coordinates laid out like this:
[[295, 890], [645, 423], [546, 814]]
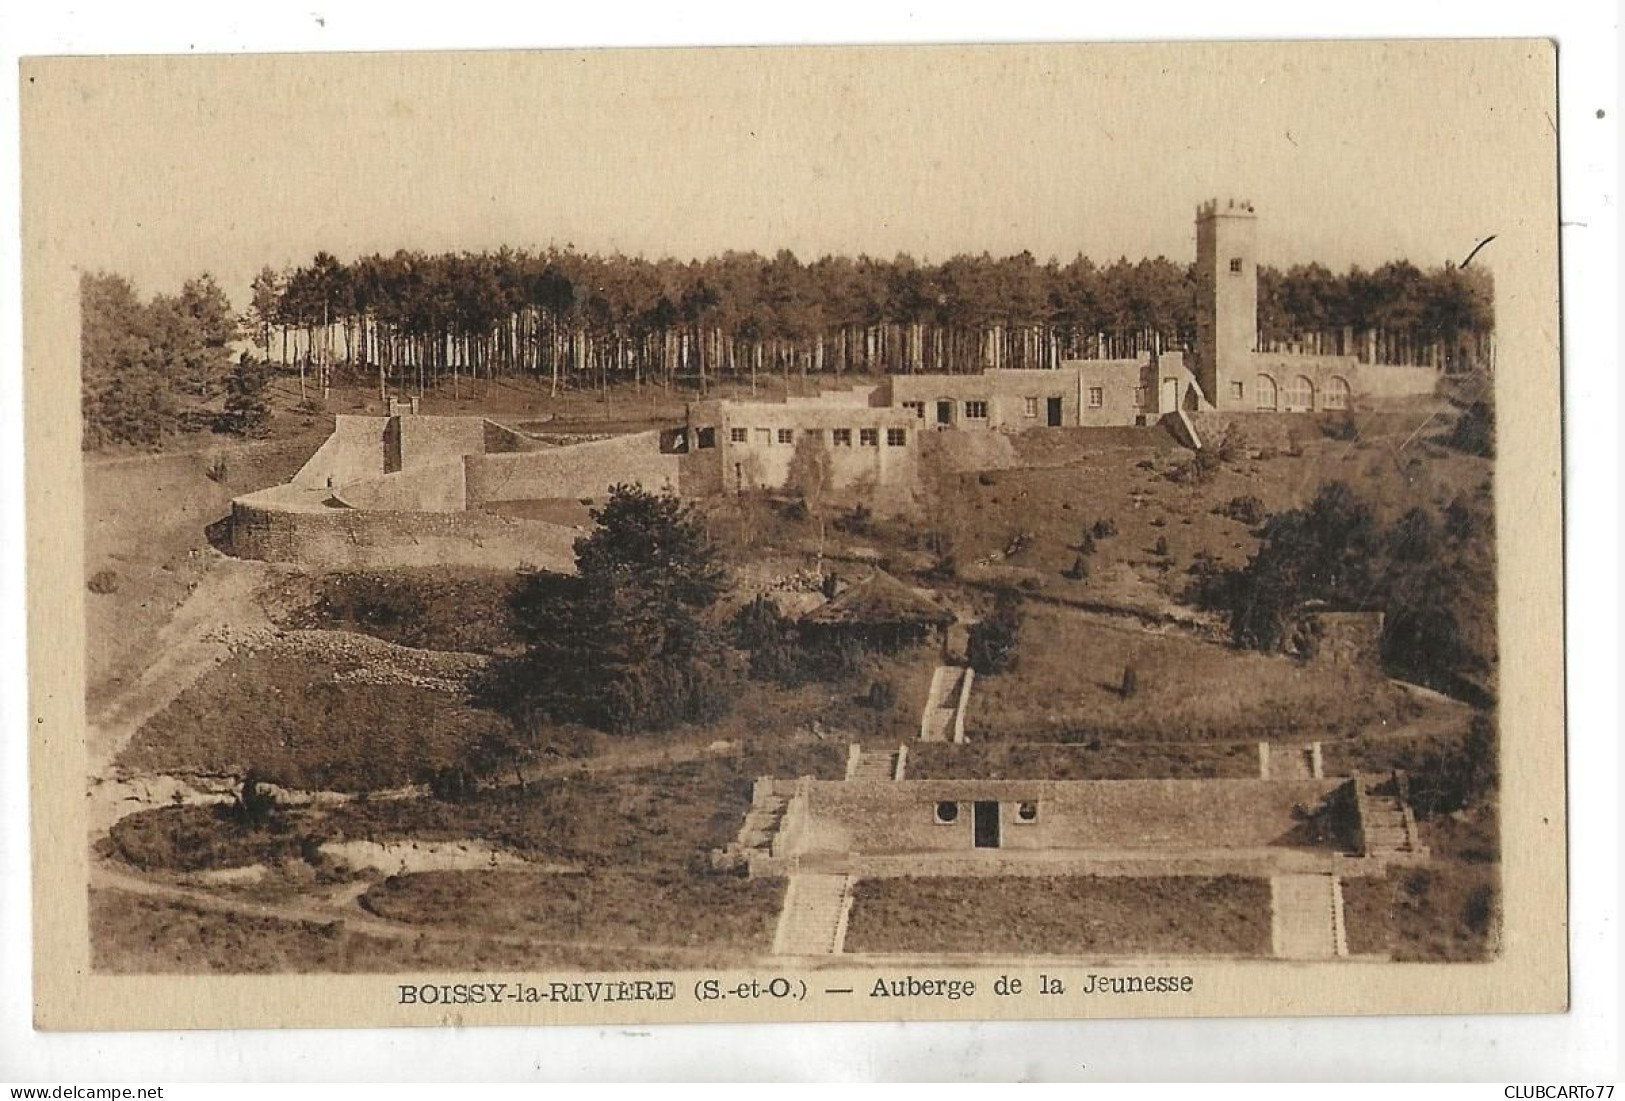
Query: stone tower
[[1226, 301]]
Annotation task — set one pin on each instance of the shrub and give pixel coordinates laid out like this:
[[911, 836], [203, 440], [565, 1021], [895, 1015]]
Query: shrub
[[882, 695], [987, 478], [857, 520], [1086, 545], [993, 641], [1228, 448], [1130, 683], [1104, 529], [1160, 547], [103, 582], [1078, 571], [1247, 510], [255, 805]]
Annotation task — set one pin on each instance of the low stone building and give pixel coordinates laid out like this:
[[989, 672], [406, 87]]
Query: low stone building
[[731, 446], [1081, 393]]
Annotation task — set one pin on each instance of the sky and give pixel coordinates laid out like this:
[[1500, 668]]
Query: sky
[[1352, 153]]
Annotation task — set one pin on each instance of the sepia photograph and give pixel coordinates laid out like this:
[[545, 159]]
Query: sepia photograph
[[822, 533]]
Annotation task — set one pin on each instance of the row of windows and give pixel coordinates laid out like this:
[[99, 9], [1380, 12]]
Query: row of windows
[[839, 437], [1297, 395]]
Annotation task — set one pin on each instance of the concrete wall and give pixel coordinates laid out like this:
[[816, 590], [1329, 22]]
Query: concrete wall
[[579, 470], [345, 538], [877, 817], [354, 452], [1377, 381], [430, 441], [436, 488]]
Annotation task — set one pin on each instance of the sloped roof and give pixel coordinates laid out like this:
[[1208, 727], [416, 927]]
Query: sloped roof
[[879, 598]]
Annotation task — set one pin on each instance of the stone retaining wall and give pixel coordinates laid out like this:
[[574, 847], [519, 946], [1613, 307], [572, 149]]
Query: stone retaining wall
[[347, 538]]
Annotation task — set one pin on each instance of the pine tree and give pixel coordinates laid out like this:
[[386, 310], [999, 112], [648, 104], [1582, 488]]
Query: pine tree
[[248, 412]]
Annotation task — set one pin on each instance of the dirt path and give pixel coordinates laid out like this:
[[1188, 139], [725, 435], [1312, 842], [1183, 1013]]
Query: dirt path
[[197, 637]]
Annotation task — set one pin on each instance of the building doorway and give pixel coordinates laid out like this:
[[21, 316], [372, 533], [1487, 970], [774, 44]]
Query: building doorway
[[945, 411], [987, 825], [1053, 408], [1170, 395]]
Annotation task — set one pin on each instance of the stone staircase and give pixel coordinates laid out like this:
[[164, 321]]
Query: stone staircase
[[875, 765], [1306, 917], [943, 717], [1387, 828], [813, 920], [762, 821], [1289, 762]]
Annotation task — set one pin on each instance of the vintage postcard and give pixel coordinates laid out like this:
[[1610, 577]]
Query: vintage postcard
[[794, 534]]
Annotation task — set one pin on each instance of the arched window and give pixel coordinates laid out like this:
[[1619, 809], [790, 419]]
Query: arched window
[[1337, 392], [1266, 394], [1300, 395]]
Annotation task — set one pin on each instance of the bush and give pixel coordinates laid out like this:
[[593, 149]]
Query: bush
[[103, 582], [1103, 529], [1130, 683], [1160, 547], [255, 805], [1078, 571], [857, 520], [993, 642], [1247, 510], [987, 478], [882, 695]]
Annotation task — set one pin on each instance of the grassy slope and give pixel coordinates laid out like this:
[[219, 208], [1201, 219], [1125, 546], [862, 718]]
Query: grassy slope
[[1135, 487], [131, 934], [430, 607], [609, 907], [1444, 911], [666, 818], [145, 520], [1062, 915], [1071, 665], [292, 720]]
